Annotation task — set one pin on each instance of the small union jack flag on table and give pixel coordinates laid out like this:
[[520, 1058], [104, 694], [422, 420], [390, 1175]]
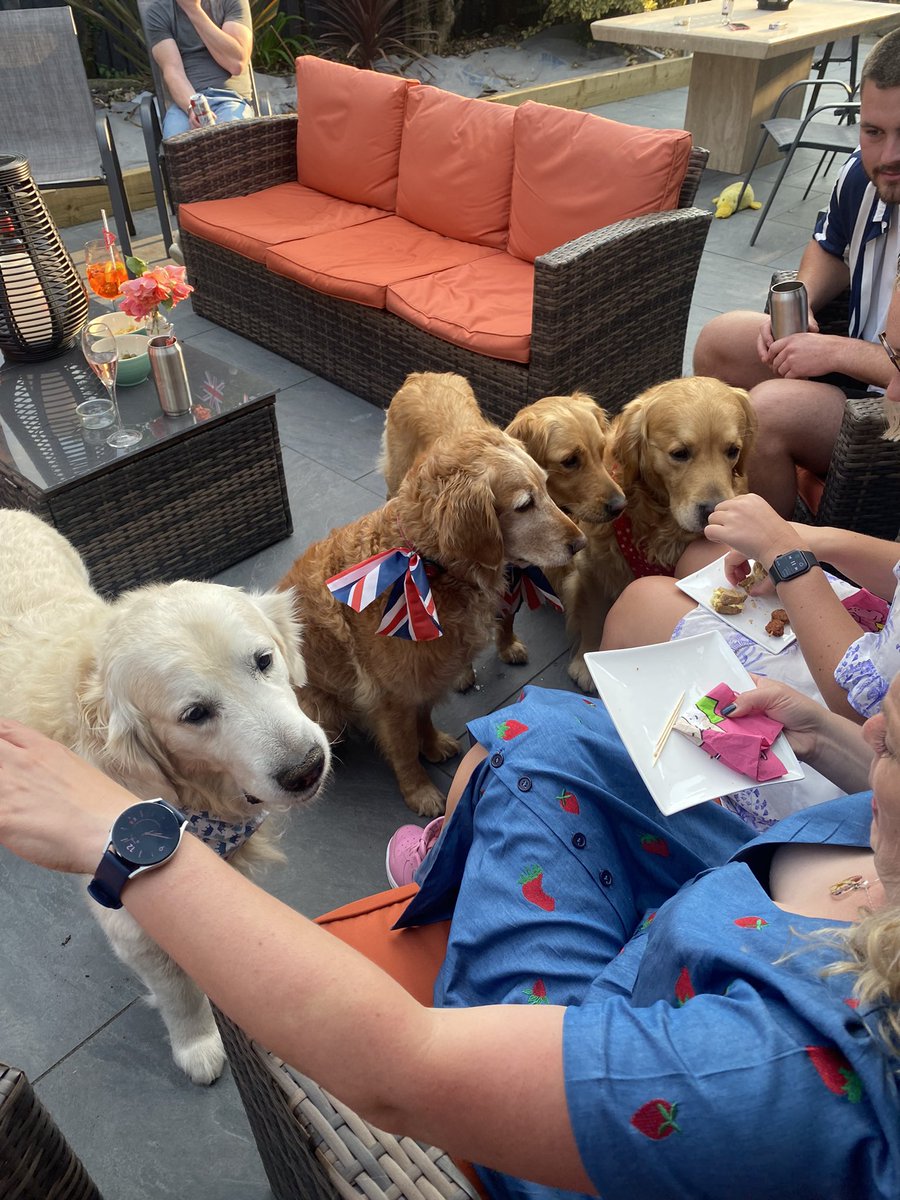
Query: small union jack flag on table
[[409, 611]]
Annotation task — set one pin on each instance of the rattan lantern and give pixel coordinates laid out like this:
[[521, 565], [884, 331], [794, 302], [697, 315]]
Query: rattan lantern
[[43, 303]]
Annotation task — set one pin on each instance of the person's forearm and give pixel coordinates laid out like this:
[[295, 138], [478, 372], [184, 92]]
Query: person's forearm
[[179, 86], [868, 561], [841, 754], [823, 275], [225, 49]]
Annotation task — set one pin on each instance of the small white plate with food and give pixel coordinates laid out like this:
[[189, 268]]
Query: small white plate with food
[[642, 687], [756, 617]]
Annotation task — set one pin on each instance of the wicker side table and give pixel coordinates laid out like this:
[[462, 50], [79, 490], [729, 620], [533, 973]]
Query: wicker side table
[[36, 1161]]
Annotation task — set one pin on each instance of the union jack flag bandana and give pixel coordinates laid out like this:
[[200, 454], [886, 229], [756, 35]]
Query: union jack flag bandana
[[409, 611], [532, 586]]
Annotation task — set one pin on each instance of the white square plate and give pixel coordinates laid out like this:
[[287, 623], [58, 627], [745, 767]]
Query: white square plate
[[755, 615], [639, 688]]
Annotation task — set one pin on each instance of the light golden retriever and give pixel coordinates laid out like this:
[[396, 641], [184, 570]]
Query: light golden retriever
[[473, 503], [183, 691], [566, 435], [678, 450]]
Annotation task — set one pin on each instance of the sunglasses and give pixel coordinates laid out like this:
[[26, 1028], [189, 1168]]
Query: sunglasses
[[889, 350]]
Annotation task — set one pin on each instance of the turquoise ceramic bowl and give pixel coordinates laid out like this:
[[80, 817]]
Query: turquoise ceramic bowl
[[134, 361]]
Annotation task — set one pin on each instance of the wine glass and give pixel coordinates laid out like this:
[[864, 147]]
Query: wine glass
[[105, 269], [102, 355]]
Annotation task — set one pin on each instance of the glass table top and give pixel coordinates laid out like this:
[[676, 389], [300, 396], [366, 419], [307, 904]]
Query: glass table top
[[42, 440]]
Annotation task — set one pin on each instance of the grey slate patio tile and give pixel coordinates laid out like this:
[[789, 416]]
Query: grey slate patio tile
[[310, 413]]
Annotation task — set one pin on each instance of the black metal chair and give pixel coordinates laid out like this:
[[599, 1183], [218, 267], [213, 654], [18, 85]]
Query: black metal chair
[[48, 115], [811, 132]]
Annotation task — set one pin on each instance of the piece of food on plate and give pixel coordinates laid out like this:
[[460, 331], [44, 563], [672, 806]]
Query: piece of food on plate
[[756, 575], [727, 601], [780, 619]]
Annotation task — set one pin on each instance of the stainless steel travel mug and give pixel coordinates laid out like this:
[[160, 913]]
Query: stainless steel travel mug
[[169, 375], [788, 308]]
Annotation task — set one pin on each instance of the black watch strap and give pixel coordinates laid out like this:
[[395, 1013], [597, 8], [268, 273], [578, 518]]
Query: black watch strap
[[791, 565], [110, 877]]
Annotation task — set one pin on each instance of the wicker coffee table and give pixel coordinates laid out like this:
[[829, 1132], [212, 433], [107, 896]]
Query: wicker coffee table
[[197, 494]]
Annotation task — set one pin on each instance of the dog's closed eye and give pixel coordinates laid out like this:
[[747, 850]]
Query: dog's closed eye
[[681, 455], [572, 463], [523, 504]]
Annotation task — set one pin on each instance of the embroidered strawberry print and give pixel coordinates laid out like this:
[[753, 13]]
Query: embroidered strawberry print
[[568, 803], [684, 989], [656, 1119], [507, 730], [654, 844], [751, 922], [537, 993], [533, 890], [836, 1073]]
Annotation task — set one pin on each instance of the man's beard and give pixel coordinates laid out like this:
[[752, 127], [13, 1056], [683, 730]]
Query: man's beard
[[888, 189], [891, 411]]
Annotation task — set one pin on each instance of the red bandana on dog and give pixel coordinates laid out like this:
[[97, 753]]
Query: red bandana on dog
[[636, 559]]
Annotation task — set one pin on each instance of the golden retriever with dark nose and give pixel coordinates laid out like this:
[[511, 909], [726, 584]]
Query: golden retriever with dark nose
[[566, 435], [678, 450], [474, 502]]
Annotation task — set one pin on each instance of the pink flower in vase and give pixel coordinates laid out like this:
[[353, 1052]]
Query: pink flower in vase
[[152, 290]]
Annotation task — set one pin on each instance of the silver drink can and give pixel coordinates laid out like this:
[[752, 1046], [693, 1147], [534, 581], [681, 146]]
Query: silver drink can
[[169, 375], [788, 308], [201, 109]]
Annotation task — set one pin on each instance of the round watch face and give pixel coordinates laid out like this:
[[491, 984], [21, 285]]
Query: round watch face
[[146, 834]]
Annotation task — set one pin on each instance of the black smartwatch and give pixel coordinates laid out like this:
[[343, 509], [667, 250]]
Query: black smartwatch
[[145, 836], [790, 565]]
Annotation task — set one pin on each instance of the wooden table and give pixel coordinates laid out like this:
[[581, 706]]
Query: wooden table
[[737, 75], [198, 493]]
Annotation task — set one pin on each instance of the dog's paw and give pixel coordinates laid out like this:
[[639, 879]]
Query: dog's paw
[[426, 800], [202, 1059], [440, 746], [516, 653], [465, 679], [579, 673]]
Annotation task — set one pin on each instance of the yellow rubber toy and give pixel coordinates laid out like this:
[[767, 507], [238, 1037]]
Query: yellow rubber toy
[[727, 199]]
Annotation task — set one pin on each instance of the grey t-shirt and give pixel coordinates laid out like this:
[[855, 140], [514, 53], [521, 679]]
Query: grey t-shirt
[[165, 19]]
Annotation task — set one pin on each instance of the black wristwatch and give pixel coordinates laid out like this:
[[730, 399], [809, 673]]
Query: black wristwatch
[[145, 836], [790, 565]]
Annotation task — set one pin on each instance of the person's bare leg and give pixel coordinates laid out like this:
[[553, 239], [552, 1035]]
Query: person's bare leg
[[798, 425], [464, 773], [645, 613], [726, 350], [699, 553]]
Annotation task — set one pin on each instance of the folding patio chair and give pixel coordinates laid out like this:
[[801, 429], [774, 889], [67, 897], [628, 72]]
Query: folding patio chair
[[153, 109], [48, 115]]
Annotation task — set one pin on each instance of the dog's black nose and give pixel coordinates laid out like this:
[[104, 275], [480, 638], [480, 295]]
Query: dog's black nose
[[704, 510], [615, 505], [301, 776]]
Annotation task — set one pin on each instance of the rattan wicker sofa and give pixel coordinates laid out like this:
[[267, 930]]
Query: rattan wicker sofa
[[609, 303]]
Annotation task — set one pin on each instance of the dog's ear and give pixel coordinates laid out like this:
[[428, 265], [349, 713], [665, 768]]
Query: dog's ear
[[278, 609], [599, 414], [749, 431], [466, 523], [531, 431], [629, 433], [115, 733]]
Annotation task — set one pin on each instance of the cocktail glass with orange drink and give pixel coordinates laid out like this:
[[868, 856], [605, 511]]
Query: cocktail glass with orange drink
[[105, 269]]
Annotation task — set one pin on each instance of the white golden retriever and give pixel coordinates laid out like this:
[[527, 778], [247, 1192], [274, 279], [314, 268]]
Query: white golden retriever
[[184, 691]]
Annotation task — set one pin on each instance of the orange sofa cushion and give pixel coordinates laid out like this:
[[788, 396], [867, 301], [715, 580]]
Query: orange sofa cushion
[[456, 162], [349, 123], [575, 172], [360, 263], [249, 225], [484, 306]]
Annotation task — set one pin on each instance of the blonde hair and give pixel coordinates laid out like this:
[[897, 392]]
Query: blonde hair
[[872, 946]]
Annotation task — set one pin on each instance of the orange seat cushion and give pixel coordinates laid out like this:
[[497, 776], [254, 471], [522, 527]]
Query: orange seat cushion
[[575, 172], [249, 225], [360, 263], [456, 162], [485, 306], [810, 488], [349, 123]]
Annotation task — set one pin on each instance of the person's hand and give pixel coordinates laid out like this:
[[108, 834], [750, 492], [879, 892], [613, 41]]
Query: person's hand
[[803, 719], [803, 355], [752, 528], [188, 6], [55, 809], [765, 338]]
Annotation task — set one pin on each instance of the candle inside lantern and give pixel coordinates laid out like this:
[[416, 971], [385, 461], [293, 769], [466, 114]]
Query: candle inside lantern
[[21, 290]]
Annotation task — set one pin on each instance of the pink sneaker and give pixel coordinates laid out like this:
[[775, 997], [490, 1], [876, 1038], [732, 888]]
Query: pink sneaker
[[407, 849]]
